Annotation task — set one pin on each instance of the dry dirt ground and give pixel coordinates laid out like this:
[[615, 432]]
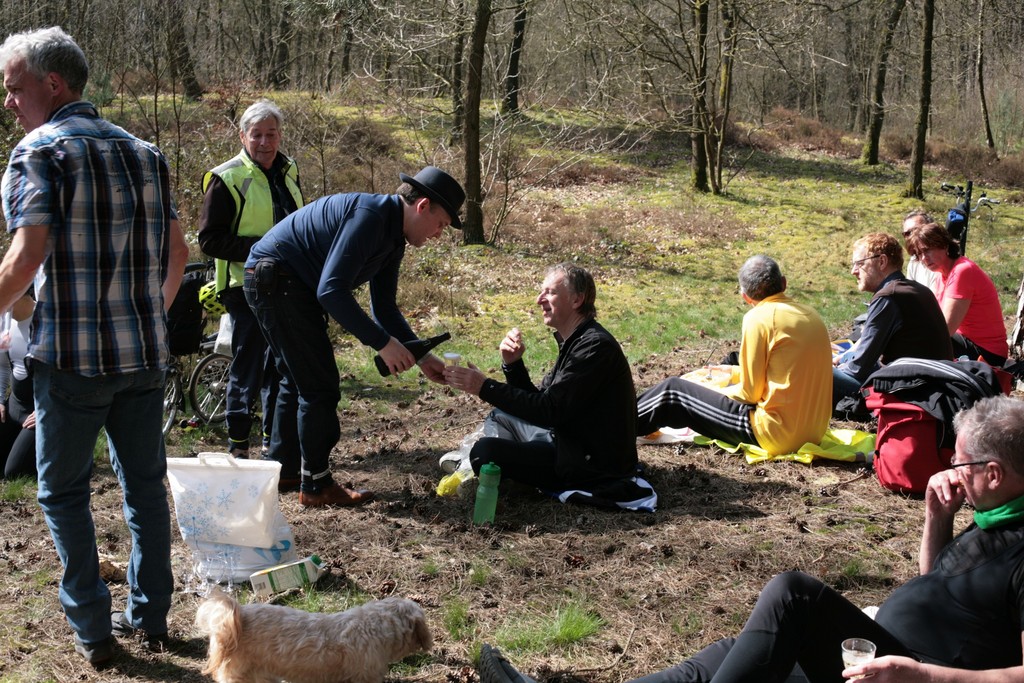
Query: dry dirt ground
[[664, 584]]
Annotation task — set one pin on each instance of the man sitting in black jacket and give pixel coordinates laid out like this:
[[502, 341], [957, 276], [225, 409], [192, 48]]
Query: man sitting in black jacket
[[960, 620], [904, 318], [578, 428]]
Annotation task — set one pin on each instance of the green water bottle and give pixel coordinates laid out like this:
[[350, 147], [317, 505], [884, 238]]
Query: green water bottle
[[487, 494]]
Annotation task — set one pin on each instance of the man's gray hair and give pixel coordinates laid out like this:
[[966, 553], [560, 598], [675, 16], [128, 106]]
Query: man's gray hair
[[760, 278], [924, 215], [993, 428], [261, 110], [579, 282], [47, 50]]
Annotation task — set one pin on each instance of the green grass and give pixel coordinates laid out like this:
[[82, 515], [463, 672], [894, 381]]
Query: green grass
[[411, 664], [516, 561], [20, 489], [661, 284], [330, 594], [479, 573], [565, 626], [191, 439], [692, 624], [100, 451], [456, 619]]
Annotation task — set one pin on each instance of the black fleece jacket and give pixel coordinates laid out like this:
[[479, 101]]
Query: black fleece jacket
[[587, 400]]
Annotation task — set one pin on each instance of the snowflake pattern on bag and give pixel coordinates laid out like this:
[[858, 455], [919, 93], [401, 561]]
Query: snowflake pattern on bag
[[223, 501]]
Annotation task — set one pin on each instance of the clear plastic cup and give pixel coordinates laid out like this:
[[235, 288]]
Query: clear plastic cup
[[857, 651], [452, 358]]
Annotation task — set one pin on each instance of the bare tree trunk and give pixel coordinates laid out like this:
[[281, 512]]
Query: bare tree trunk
[[989, 138], [510, 105], [263, 38], [854, 86], [458, 82], [279, 76], [924, 102], [473, 225], [871, 142], [182, 65], [730, 40], [346, 52], [699, 138]]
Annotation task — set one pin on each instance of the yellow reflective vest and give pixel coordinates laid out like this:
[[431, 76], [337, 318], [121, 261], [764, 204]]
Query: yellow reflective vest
[[254, 205]]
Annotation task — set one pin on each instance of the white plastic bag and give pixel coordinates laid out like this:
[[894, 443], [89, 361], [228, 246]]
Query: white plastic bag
[[220, 499], [227, 328], [223, 562], [457, 465], [458, 460]]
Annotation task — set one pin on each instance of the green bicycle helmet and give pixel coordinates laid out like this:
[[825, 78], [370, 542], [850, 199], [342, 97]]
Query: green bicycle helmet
[[208, 298]]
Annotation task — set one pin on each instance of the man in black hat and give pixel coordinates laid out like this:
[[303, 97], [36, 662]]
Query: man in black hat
[[310, 263]]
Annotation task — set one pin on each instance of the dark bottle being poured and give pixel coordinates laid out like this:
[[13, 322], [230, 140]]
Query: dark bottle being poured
[[417, 347]]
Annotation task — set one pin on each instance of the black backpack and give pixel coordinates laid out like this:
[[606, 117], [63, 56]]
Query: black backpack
[[185, 317]]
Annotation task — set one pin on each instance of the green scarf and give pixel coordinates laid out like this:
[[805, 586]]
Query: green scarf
[[1012, 511]]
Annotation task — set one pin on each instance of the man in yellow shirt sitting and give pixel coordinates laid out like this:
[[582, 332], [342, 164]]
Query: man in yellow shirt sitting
[[784, 395]]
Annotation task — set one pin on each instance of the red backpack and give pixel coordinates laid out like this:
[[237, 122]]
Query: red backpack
[[911, 444], [907, 444]]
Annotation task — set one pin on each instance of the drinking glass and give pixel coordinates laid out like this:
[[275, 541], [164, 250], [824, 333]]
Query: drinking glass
[[857, 651], [452, 358], [5, 330], [213, 569]]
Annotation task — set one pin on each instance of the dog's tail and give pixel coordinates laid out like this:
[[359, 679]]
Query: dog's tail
[[220, 616]]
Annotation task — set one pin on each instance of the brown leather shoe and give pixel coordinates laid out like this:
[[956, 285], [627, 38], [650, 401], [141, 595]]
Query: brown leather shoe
[[288, 484], [335, 495]]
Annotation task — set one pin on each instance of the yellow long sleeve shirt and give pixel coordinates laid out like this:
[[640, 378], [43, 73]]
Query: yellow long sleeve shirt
[[786, 373]]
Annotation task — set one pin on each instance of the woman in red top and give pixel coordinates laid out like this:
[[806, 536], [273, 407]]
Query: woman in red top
[[966, 294]]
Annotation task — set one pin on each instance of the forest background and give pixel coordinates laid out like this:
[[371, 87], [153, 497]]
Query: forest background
[[658, 143]]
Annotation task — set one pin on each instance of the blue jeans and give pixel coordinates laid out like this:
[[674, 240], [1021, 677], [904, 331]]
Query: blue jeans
[[843, 385], [306, 416], [70, 411]]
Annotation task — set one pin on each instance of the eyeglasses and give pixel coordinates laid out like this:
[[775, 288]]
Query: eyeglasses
[[859, 262], [953, 466]]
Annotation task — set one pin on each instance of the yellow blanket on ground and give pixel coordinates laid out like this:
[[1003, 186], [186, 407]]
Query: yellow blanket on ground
[[844, 445]]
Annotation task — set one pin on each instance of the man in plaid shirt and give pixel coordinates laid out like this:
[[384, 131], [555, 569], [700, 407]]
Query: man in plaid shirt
[[93, 223]]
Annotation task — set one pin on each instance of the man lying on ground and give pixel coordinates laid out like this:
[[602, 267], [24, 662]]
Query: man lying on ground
[[959, 621]]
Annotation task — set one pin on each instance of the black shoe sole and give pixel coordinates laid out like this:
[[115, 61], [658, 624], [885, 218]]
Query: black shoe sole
[[494, 668]]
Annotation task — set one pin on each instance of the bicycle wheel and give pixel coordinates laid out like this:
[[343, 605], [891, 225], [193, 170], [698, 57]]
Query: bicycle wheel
[[172, 399], [208, 387]]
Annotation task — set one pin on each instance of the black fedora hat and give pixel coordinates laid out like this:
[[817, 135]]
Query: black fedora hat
[[439, 187]]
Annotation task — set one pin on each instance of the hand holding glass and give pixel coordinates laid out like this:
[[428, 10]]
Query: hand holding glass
[[857, 651]]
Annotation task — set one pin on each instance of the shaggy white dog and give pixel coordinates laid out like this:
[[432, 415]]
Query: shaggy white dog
[[268, 643]]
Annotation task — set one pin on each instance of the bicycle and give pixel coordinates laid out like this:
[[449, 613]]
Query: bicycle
[[959, 217], [205, 390], [206, 387]]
